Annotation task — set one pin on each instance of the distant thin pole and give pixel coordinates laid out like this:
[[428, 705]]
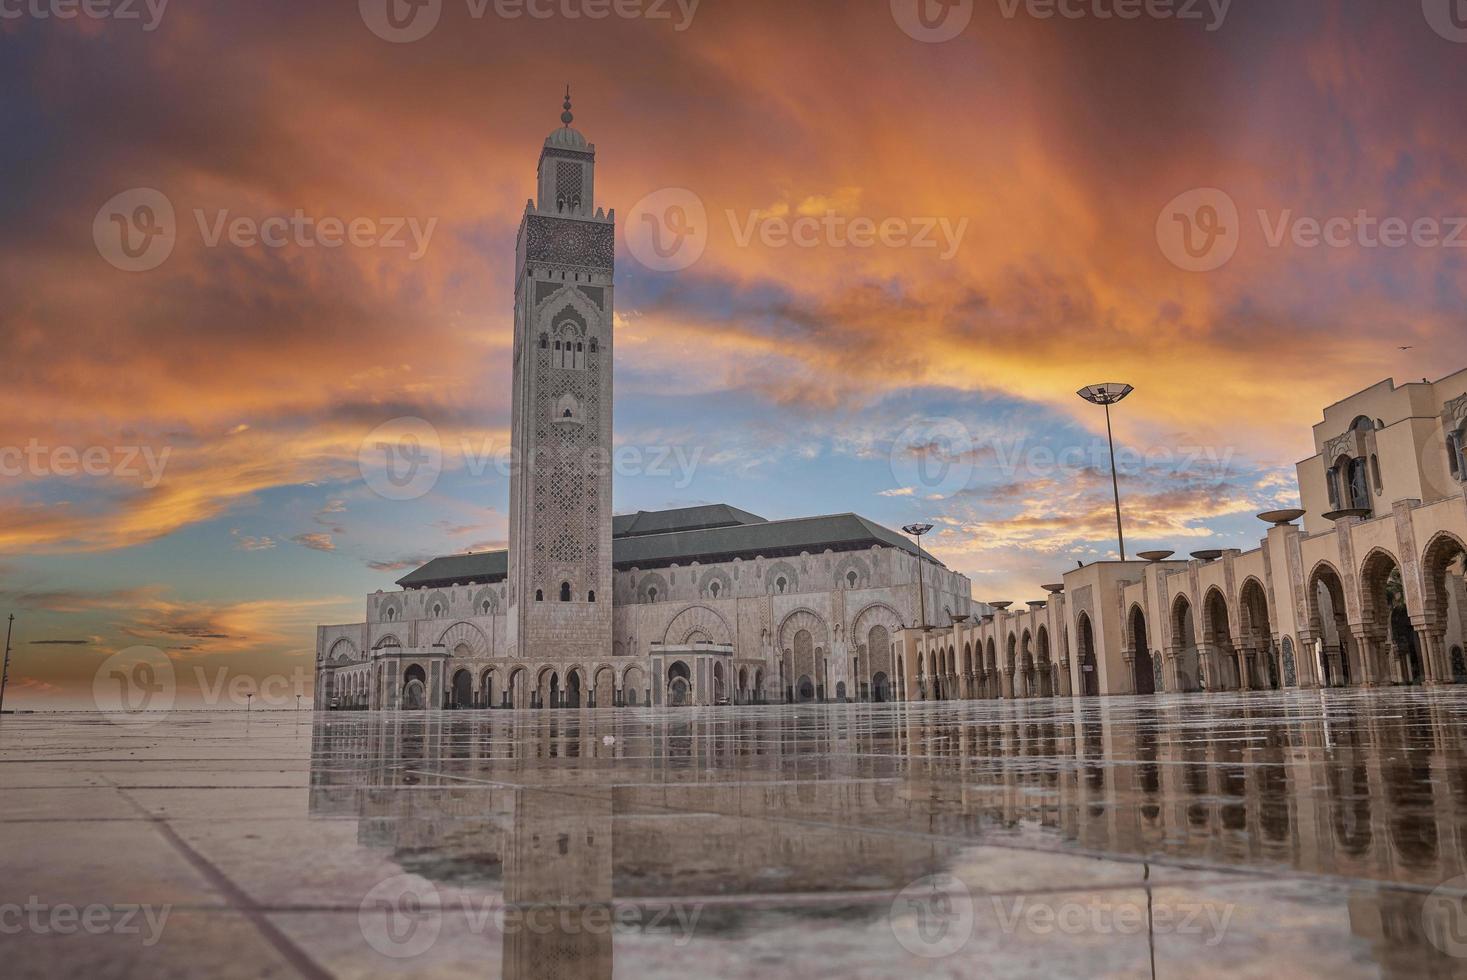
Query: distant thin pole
[[5, 671]]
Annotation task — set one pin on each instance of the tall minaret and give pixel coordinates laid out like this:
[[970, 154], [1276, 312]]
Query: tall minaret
[[560, 491]]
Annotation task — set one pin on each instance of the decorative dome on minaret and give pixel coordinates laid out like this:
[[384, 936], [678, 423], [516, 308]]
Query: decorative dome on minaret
[[566, 137]]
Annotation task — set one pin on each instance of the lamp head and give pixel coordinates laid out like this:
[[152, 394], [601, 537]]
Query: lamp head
[[917, 530], [1105, 394]]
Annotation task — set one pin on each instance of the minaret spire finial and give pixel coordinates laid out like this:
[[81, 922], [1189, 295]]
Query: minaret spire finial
[[566, 116]]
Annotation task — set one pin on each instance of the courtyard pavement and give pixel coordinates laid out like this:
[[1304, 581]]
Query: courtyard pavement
[[1271, 835]]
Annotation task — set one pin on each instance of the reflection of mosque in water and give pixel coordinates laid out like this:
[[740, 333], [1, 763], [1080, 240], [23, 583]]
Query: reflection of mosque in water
[[856, 798]]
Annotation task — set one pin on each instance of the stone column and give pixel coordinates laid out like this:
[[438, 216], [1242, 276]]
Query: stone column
[[1365, 670]]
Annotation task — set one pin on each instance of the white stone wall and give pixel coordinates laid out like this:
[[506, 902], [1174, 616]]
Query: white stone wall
[[733, 612]]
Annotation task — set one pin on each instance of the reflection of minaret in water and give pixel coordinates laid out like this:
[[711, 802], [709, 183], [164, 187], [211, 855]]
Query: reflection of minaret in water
[[557, 886]]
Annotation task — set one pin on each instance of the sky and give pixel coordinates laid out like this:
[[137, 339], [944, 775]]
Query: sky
[[867, 253]]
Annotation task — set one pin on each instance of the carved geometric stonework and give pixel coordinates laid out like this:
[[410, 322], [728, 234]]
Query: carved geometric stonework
[[566, 243], [1455, 411]]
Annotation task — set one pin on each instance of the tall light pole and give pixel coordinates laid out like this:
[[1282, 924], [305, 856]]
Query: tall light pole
[[1108, 395], [916, 531], [5, 671]]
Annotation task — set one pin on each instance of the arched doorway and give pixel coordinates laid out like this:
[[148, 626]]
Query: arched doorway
[[1443, 570], [463, 689], [1026, 668], [880, 687], [679, 684], [549, 689], [1263, 670], [1011, 665], [720, 684], [805, 688], [415, 689], [489, 689], [605, 688], [1045, 665], [1142, 669], [1089, 668], [1331, 648], [758, 692], [990, 671], [573, 689], [1221, 673], [1393, 653]]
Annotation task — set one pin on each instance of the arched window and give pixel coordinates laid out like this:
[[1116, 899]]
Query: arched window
[[485, 607], [544, 341], [851, 579], [391, 614], [1375, 473], [652, 594], [593, 345], [591, 596], [566, 414], [715, 588], [781, 584], [539, 595], [580, 348], [437, 610], [565, 592], [1457, 452]]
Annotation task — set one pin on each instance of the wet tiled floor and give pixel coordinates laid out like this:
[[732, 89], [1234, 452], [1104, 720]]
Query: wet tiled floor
[[1255, 835]]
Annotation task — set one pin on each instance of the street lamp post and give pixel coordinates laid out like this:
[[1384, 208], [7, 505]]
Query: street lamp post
[[1108, 395], [916, 531], [5, 670]]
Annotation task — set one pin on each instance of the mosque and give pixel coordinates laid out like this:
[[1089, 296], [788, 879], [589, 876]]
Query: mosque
[[699, 605]]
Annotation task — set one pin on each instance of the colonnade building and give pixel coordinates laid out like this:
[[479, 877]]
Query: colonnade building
[[1363, 586]]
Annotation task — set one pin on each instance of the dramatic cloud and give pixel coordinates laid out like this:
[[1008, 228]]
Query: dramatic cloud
[[163, 431]]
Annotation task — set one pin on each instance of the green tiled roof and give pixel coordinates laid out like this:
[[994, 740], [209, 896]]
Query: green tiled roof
[[688, 537], [682, 519]]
